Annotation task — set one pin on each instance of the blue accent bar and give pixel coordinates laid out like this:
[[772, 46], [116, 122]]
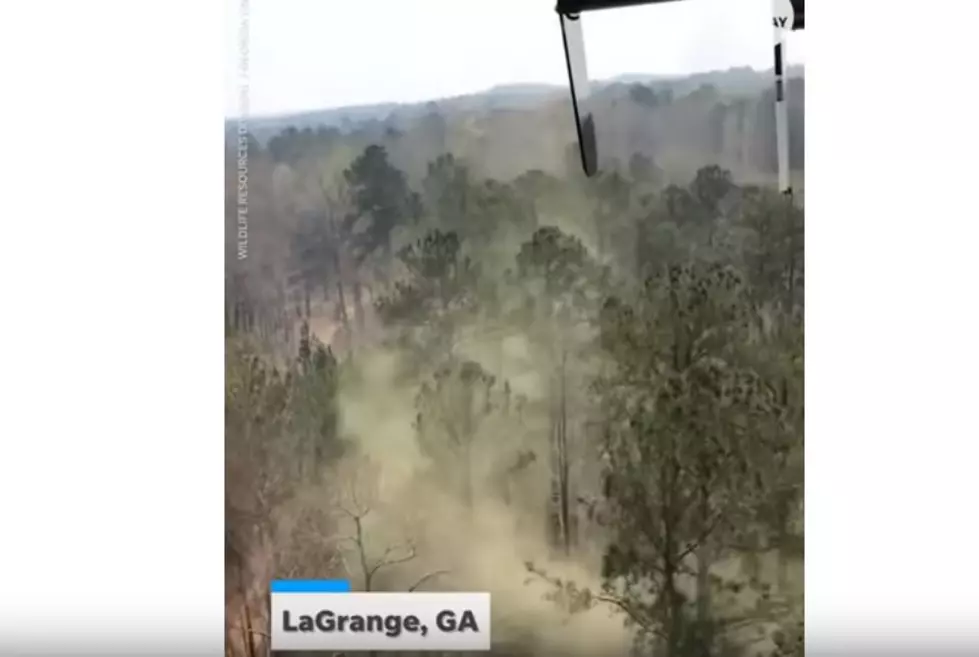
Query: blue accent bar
[[309, 586]]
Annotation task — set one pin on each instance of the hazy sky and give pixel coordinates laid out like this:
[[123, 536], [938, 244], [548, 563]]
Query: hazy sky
[[312, 54]]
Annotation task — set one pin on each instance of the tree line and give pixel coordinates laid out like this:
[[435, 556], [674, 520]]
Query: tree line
[[615, 362]]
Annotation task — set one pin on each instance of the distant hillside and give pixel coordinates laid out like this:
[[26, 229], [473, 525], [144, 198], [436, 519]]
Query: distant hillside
[[680, 122], [506, 96]]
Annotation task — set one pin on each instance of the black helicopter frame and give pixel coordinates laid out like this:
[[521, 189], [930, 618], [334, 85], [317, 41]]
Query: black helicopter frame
[[570, 11]]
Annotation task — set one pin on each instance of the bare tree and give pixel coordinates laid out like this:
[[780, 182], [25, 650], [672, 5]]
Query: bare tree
[[357, 499]]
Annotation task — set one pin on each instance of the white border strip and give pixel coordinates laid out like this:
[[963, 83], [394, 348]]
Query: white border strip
[[111, 451]]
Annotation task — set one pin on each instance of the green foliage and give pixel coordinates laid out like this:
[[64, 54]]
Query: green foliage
[[710, 186], [643, 95], [256, 395], [438, 286], [446, 190], [558, 261], [680, 204], [292, 145], [497, 205], [451, 409], [381, 196], [317, 382], [774, 250], [271, 415]]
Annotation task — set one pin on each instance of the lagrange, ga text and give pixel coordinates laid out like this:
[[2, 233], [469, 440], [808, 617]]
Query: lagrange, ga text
[[391, 625], [380, 621]]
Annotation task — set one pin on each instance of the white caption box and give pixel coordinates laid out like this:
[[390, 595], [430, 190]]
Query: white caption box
[[380, 621]]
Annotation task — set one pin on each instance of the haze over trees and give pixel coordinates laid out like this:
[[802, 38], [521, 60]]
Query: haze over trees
[[455, 363]]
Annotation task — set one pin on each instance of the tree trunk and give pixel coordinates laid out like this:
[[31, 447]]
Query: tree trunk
[[671, 597], [704, 562], [251, 649], [559, 503], [563, 461], [672, 601], [341, 297], [359, 305], [469, 475]]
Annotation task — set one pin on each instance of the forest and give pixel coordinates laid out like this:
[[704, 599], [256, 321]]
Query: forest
[[448, 372]]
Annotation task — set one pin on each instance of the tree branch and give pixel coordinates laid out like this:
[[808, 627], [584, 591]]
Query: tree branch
[[692, 547], [632, 613], [425, 578], [623, 605], [384, 561]]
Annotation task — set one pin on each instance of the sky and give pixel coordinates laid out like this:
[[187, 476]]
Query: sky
[[316, 54]]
